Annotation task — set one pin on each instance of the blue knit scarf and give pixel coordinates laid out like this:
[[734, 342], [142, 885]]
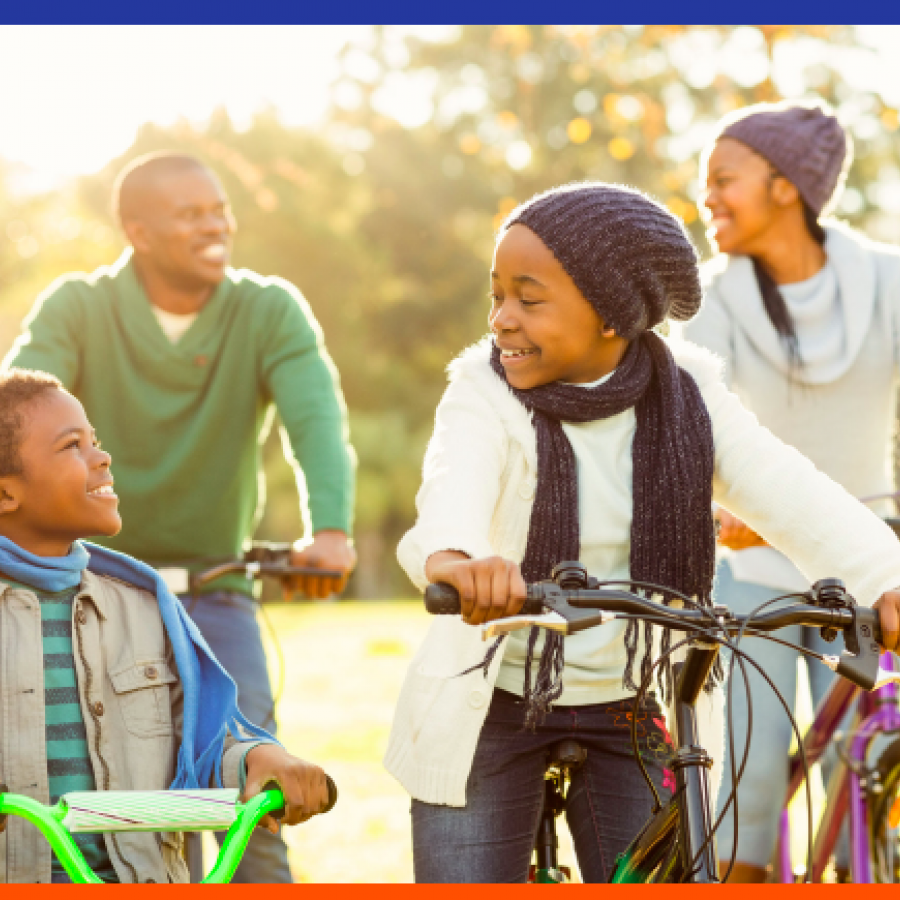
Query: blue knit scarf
[[210, 695]]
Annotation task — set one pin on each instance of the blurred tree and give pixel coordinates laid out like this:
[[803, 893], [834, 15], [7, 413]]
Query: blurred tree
[[384, 217], [521, 108]]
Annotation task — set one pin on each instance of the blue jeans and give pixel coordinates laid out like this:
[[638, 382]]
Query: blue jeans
[[490, 839], [228, 622], [764, 784]]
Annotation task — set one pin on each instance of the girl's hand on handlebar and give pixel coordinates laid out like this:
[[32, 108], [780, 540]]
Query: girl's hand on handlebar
[[303, 784], [490, 588], [734, 534], [888, 606]]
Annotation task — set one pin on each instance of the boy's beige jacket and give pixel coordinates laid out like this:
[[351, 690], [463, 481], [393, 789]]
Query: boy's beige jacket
[[131, 699]]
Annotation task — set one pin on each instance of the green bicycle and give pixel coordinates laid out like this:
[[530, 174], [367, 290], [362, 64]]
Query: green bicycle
[[99, 812]]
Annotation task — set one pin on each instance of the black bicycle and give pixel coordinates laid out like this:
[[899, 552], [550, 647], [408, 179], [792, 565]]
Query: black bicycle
[[262, 559], [677, 845]]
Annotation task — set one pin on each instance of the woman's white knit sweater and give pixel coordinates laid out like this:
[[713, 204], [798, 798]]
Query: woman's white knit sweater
[[839, 410], [477, 493]]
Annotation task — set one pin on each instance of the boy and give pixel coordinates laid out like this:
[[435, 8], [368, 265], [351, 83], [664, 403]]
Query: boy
[[103, 685]]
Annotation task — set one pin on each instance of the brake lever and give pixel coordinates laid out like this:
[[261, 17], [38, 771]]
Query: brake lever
[[880, 679], [559, 616], [860, 662], [551, 621]]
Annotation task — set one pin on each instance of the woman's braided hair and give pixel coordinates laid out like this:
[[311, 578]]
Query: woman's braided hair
[[773, 300], [19, 387]]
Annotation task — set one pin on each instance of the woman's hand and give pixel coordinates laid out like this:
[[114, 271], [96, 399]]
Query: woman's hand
[[888, 606], [734, 534], [490, 588], [303, 784]]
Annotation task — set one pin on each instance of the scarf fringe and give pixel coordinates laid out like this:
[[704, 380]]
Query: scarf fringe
[[485, 664], [665, 670], [548, 684]]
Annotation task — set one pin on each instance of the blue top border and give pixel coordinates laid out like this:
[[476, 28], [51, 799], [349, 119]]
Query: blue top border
[[391, 12]]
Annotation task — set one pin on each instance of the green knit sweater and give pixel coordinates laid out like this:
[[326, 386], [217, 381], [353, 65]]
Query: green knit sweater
[[184, 422]]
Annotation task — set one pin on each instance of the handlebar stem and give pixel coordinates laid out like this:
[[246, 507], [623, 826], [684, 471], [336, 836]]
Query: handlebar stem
[[701, 657]]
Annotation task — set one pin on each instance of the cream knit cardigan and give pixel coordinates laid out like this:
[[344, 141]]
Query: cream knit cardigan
[[478, 489]]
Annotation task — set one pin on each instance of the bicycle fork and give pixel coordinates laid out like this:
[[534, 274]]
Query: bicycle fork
[[691, 765]]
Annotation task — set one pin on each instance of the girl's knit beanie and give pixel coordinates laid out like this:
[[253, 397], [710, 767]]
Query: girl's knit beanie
[[803, 141], [627, 254]]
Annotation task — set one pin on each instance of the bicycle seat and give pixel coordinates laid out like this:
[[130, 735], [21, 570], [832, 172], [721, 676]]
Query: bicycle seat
[[567, 754]]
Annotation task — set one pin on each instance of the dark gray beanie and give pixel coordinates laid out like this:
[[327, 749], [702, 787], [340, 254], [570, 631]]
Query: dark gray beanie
[[629, 256], [805, 142]]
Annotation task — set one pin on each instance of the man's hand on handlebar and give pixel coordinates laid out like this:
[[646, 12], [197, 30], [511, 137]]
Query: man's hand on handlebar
[[490, 588], [734, 534], [303, 784], [888, 606], [329, 549]]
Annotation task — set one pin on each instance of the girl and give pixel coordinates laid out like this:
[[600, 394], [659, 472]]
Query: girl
[[578, 432], [805, 313]]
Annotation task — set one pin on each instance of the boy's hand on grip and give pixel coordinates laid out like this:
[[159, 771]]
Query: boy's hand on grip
[[303, 784], [489, 588]]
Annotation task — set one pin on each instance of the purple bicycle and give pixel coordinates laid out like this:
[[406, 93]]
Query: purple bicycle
[[863, 790]]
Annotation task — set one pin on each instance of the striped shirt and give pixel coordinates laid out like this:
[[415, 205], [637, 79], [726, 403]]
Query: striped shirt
[[68, 759]]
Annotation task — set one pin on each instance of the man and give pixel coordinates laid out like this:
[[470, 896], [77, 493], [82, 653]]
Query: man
[[178, 359]]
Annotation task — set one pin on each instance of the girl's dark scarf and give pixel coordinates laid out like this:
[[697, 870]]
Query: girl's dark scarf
[[672, 531]]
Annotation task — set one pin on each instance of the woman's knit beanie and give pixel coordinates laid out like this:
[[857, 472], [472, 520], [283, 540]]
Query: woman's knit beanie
[[629, 256], [804, 141]]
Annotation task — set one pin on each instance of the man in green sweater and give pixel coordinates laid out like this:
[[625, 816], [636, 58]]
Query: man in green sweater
[[179, 360]]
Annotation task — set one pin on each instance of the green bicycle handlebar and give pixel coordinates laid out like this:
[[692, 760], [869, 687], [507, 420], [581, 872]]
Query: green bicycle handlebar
[[48, 820], [51, 822], [239, 834]]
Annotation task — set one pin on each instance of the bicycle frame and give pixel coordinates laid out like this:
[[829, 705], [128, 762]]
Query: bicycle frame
[[571, 602], [680, 834], [51, 822], [877, 713]]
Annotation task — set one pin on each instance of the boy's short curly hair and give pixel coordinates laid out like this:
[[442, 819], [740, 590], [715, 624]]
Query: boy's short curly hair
[[19, 387]]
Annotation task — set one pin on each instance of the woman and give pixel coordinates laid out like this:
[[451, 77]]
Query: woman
[[805, 313], [579, 432]]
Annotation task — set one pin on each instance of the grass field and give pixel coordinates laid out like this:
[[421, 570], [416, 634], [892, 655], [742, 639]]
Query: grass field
[[343, 666]]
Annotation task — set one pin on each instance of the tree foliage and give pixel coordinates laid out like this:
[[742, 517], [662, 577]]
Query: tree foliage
[[384, 216]]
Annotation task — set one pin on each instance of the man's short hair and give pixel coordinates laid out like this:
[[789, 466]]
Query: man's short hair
[[18, 388], [130, 187]]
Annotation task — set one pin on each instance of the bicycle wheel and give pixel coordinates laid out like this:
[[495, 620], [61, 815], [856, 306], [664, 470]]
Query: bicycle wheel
[[884, 809]]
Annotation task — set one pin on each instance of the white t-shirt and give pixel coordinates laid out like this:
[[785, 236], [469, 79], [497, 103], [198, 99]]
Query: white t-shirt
[[594, 658], [174, 325]]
